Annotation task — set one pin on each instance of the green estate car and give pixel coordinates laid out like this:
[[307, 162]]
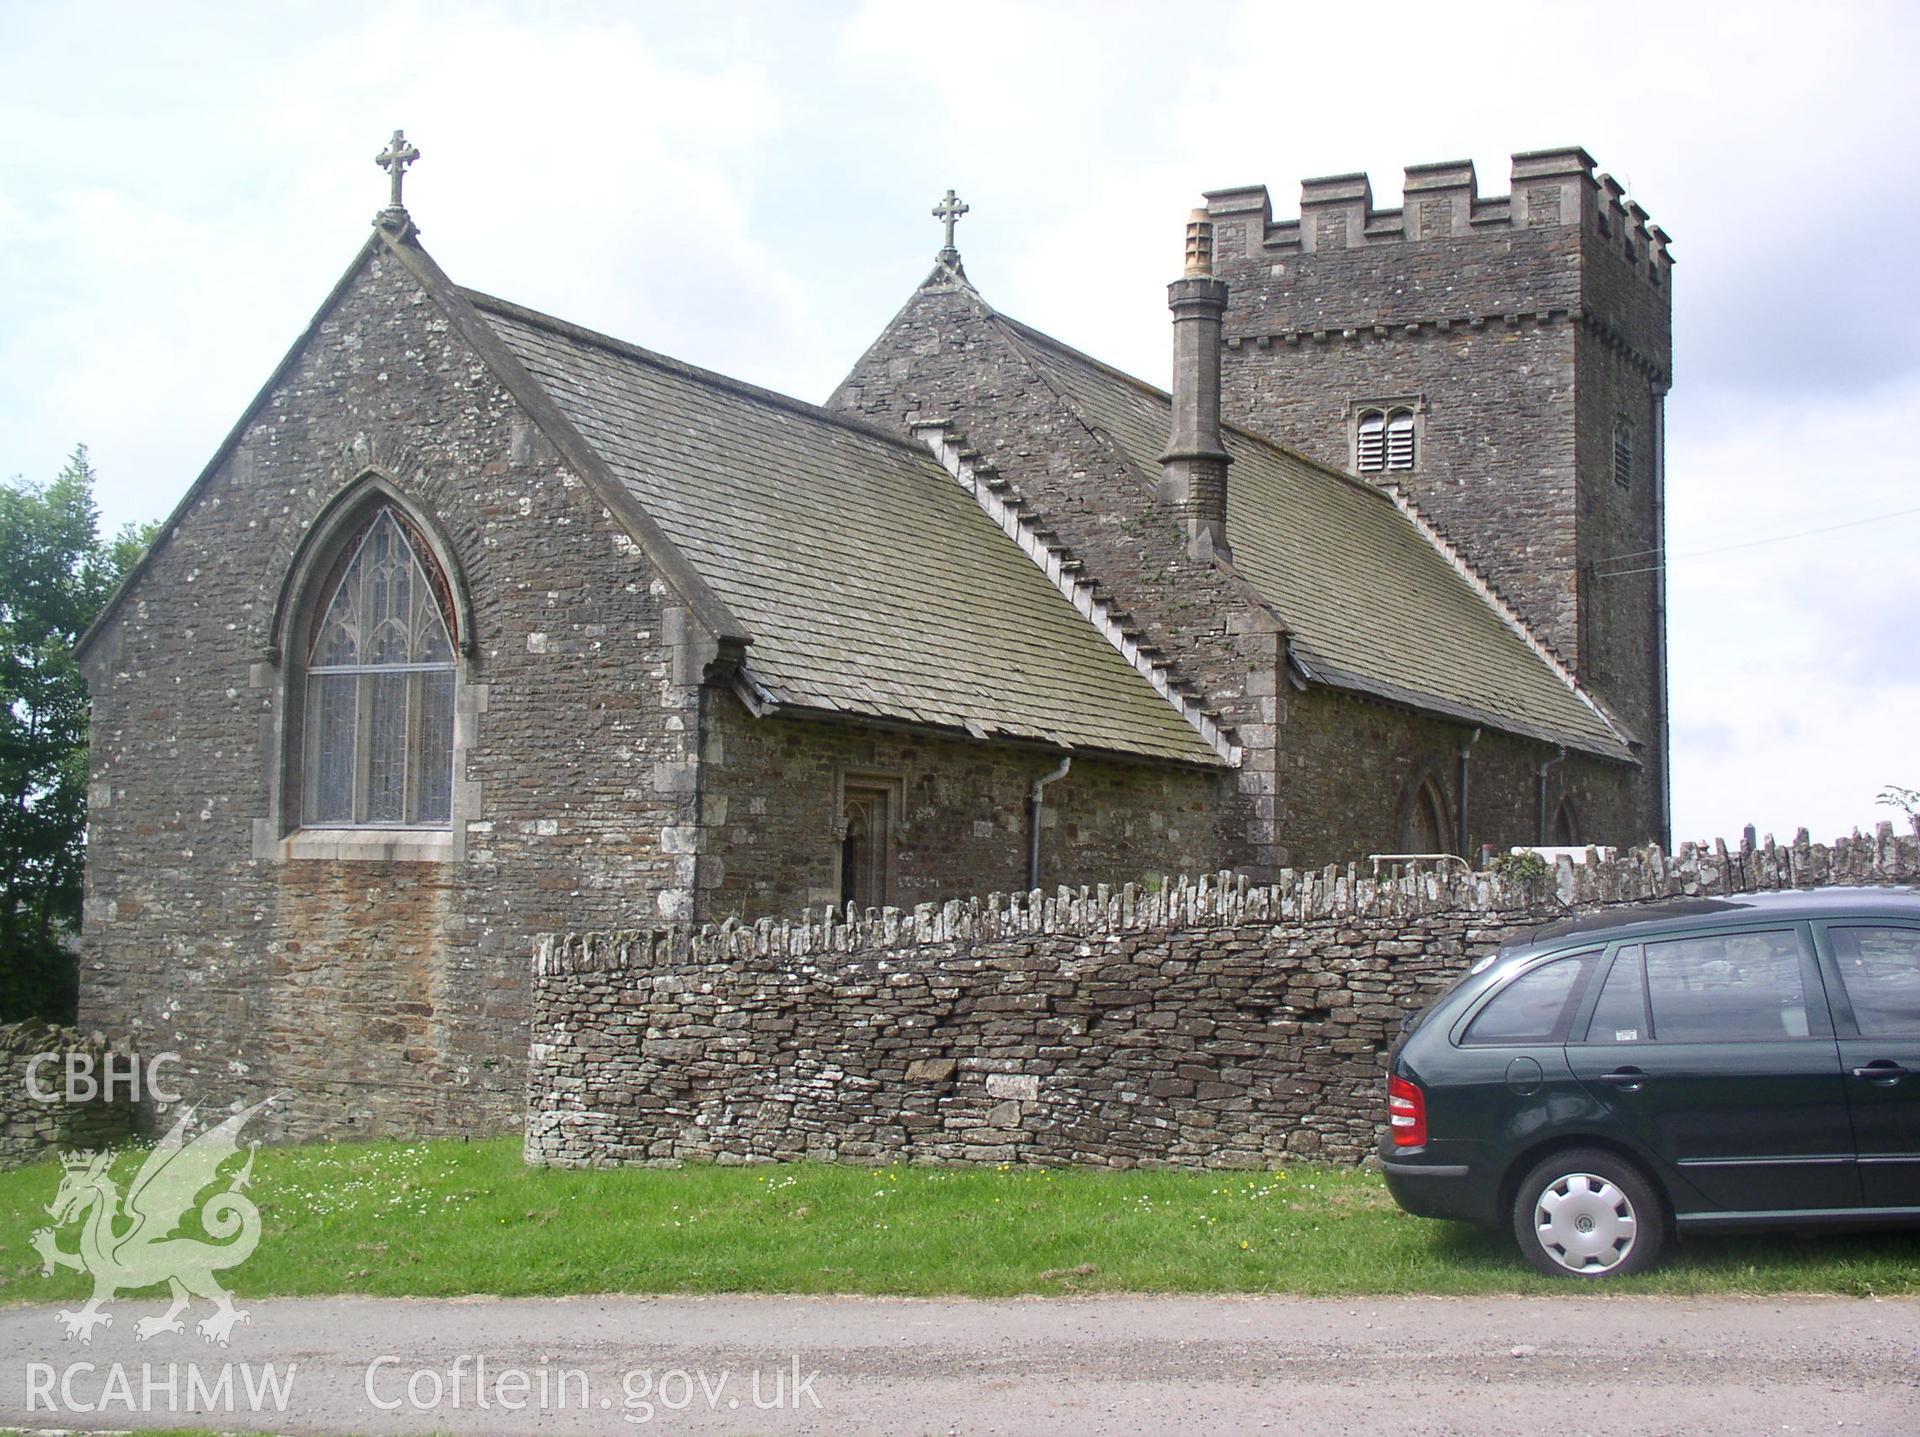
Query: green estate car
[[1701, 1063]]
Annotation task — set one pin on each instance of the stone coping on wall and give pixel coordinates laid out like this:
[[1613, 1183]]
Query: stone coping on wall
[[1226, 899]]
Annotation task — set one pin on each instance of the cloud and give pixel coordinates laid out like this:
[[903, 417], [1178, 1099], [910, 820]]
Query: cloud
[[748, 190], [566, 167], [1793, 658]]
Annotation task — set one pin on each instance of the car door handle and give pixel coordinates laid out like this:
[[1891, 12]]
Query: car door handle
[[1883, 1071], [1627, 1080]]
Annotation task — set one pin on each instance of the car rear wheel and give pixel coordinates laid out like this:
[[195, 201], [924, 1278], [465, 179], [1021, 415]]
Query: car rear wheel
[[1589, 1214]]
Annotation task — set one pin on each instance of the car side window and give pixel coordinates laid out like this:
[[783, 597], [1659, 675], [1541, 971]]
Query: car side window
[[1620, 1015], [1536, 1007], [1881, 970], [1735, 987]]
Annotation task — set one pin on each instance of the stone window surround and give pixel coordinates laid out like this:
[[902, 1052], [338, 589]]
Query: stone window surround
[[1567, 816], [1623, 458], [1416, 403], [893, 784], [277, 835], [1427, 786]]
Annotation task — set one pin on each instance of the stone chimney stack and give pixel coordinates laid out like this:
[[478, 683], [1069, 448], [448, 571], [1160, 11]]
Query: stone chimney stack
[[1193, 471]]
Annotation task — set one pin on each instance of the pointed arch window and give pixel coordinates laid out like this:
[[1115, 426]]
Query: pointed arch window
[[1566, 831], [1425, 827], [380, 673]]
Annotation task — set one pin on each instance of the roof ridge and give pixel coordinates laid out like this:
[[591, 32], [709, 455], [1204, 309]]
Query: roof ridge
[[932, 283], [1254, 435], [711, 378], [1436, 533], [1019, 332]]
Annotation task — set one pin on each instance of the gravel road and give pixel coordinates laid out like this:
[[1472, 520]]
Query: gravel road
[[1092, 1365]]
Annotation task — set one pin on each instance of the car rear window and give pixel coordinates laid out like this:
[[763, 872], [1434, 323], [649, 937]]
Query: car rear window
[[1536, 1007], [1736, 987], [1881, 968]]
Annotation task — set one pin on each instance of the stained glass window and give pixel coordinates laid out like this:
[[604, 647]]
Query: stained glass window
[[379, 713]]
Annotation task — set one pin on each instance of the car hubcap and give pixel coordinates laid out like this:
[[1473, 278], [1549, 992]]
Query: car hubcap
[[1584, 1223]]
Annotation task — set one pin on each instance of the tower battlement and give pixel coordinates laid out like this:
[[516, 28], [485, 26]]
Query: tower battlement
[[1547, 189], [1523, 345]]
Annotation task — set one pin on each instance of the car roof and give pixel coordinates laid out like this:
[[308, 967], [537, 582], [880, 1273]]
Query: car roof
[[1690, 914]]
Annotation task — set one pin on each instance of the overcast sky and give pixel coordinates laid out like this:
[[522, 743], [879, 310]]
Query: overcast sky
[[747, 187]]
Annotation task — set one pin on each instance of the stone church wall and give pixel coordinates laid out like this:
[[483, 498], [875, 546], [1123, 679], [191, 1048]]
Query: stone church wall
[[1326, 775], [769, 800], [1352, 766], [1498, 449], [598, 784], [1521, 326], [1473, 312], [1622, 643], [389, 996], [1217, 1023], [942, 359]]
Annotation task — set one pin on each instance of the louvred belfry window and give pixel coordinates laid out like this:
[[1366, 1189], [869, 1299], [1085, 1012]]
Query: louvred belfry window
[[379, 688], [1384, 441], [1373, 442], [1622, 452], [1400, 439]]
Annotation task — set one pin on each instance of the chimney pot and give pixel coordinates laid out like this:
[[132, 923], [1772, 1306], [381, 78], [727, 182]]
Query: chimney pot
[[1199, 245], [1193, 471]]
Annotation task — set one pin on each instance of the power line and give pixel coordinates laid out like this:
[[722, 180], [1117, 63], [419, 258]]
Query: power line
[[1772, 539], [1747, 544]]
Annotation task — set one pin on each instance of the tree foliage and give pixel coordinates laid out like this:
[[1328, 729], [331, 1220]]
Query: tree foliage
[[55, 573]]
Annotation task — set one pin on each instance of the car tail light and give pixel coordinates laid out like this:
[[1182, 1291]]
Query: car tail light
[[1407, 1113]]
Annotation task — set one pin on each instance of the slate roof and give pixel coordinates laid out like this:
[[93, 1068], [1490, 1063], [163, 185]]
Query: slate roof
[[873, 586], [1373, 604]]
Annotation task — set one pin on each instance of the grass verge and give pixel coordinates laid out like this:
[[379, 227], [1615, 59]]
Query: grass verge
[[450, 1218]]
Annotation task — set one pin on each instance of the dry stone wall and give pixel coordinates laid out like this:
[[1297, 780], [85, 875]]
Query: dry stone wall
[[1210, 1023], [30, 1124]]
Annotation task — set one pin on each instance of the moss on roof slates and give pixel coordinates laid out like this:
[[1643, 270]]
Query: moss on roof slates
[[1370, 600], [873, 585]]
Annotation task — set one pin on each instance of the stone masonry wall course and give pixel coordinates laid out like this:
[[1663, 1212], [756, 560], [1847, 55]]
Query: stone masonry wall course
[[1208, 1023]]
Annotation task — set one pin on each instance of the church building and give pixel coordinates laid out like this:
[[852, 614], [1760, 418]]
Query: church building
[[481, 624]]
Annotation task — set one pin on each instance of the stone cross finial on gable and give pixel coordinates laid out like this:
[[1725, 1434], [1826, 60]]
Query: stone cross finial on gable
[[949, 211], [394, 159]]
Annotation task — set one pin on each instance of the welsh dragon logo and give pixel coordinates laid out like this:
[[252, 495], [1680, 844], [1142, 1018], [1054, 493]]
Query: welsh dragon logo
[[133, 1242]]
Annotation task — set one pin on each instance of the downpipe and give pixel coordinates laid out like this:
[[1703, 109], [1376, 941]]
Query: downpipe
[[1466, 766], [1540, 796], [1036, 801]]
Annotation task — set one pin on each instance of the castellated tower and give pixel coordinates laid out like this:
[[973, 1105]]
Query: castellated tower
[[1504, 361]]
